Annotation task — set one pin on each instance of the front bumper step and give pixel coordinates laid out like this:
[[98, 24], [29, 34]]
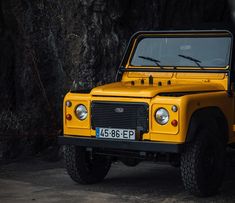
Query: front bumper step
[[143, 146]]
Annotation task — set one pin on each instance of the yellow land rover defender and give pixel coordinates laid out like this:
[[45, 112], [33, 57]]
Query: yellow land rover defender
[[173, 100]]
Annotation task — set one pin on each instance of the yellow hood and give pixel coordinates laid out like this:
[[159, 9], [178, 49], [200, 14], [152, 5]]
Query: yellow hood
[[126, 89]]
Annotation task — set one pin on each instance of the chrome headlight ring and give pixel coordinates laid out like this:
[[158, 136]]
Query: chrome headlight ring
[[162, 116], [81, 112]]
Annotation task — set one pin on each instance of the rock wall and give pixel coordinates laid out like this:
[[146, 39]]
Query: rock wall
[[47, 44]]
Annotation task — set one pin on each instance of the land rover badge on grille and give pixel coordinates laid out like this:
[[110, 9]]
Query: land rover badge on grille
[[119, 110]]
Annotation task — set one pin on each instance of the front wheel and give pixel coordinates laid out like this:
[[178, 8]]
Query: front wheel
[[84, 168], [203, 165]]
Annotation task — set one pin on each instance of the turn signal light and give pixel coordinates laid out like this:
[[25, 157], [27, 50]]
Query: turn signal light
[[68, 103], [174, 123], [68, 117]]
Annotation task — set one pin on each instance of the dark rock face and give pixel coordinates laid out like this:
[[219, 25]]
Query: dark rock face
[[45, 45]]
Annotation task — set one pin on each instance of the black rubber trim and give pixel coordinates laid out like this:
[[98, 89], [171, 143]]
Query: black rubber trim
[[143, 146], [84, 91]]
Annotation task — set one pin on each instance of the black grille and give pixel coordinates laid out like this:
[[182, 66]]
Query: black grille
[[120, 115]]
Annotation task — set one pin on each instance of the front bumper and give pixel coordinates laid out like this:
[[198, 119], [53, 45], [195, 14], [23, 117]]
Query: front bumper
[[142, 146]]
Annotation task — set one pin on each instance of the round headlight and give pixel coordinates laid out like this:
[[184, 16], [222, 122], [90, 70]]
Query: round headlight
[[81, 112], [162, 116]]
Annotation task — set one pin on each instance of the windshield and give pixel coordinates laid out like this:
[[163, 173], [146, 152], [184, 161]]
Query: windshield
[[182, 51]]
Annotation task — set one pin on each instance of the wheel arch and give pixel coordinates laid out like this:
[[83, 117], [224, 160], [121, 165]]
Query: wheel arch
[[210, 117]]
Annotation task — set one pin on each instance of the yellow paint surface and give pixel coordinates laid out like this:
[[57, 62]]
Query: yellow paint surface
[[209, 91]]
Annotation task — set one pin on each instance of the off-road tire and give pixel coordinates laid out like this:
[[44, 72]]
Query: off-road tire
[[84, 169], [203, 164]]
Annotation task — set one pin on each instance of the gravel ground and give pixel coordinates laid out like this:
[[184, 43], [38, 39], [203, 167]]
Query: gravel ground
[[35, 180]]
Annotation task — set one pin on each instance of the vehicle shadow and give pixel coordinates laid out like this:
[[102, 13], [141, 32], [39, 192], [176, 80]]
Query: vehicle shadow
[[156, 180], [146, 182]]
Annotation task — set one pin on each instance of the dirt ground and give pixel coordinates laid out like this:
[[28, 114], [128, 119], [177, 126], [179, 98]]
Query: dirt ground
[[35, 180]]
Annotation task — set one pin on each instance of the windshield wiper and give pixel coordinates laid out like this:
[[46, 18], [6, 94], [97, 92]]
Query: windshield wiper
[[191, 59], [157, 62]]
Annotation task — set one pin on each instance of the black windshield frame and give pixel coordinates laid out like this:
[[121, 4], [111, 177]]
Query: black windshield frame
[[128, 51]]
